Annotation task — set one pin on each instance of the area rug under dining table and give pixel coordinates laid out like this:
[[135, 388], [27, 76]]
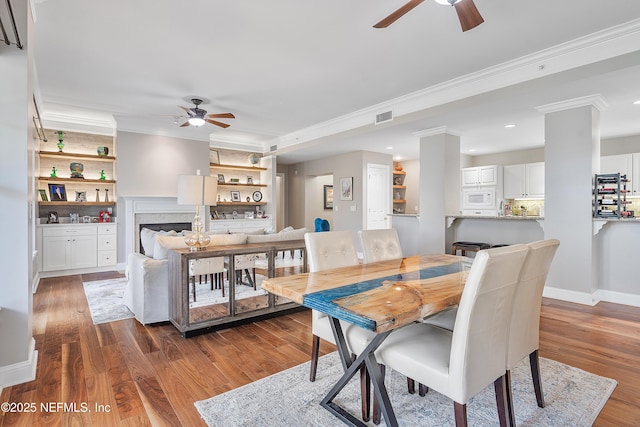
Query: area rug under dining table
[[573, 398]]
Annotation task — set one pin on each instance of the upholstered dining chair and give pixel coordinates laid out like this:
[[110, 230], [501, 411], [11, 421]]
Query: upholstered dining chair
[[524, 327], [380, 245], [462, 362], [326, 250], [213, 268]]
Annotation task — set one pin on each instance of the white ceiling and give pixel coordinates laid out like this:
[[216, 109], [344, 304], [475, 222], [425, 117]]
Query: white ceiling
[[310, 77]]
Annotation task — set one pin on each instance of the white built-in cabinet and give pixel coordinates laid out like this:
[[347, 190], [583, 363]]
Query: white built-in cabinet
[[480, 175], [78, 246], [524, 181]]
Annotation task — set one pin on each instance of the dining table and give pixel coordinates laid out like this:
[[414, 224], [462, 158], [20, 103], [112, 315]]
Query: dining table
[[378, 297]]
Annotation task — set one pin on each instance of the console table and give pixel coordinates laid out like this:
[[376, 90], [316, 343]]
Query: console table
[[191, 321]]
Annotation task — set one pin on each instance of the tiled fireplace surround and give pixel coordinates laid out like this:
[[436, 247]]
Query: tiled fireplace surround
[[150, 210]]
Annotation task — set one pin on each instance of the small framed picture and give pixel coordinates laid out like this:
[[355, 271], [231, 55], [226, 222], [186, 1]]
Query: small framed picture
[[74, 218], [52, 218], [235, 196], [249, 180], [346, 188], [220, 178], [57, 192], [86, 219], [328, 197], [248, 215], [43, 195], [214, 157], [81, 196]]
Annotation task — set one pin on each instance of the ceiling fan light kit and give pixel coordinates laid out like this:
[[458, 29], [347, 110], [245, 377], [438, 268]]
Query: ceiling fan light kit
[[468, 14], [197, 117]]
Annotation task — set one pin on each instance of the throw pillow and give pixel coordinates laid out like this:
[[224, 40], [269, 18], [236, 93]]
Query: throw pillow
[[148, 239], [164, 243]]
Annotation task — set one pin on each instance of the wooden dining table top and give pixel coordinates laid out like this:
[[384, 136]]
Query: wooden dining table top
[[379, 296]]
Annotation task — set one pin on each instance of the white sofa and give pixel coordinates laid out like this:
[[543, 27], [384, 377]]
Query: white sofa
[[147, 290]]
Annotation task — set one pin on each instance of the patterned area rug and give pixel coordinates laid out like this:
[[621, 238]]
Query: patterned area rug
[[573, 398], [105, 300]]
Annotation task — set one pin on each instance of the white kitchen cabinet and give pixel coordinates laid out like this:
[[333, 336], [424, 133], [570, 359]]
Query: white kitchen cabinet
[[524, 181], [635, 185], [624, 164], [69, 247], [481, 175]]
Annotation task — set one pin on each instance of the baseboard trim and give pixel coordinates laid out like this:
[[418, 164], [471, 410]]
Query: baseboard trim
[[570, 296], [20, 372], [59, 273], [618, 297]]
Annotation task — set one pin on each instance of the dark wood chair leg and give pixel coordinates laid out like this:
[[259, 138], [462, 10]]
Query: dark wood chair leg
[[411, 386], [501, 401], [222, 283], [422, 390], [193, 282], [537, 380], [365, 390], [377, 411], [461, 414], [315, 350], [253, 274], [510, 411]]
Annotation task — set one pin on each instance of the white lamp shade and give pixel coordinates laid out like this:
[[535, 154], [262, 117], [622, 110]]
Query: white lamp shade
[[197, 190]]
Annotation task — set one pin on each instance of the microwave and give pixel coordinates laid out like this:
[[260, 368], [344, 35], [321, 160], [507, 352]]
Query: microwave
[[479, 198]]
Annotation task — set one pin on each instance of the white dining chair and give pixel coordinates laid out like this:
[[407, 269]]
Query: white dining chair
[[462, 362], [326, 250], [524, 327], [212, 268], [380, 245]]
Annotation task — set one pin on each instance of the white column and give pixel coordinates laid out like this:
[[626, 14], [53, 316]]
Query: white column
[[439, 186], [572, 155]]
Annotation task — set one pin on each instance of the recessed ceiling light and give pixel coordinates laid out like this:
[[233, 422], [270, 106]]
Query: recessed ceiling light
[[637, 102], [389, 148], [472, 150], [509, 126]]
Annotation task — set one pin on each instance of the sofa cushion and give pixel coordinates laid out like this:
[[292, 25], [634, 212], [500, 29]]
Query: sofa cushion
[[258, 231], [164, 243], [278, 237], [148, 239]]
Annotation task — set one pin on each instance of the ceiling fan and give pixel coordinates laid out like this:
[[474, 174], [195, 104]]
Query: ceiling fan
[[467, 13], [197, 116]]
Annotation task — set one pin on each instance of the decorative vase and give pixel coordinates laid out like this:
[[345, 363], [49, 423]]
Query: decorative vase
[[76, 169], [97, 194], [103, 151], [106, 195], [60, 138], [253, 159]]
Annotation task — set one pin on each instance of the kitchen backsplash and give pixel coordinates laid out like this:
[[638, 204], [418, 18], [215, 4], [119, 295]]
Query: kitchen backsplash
[[532, 207]]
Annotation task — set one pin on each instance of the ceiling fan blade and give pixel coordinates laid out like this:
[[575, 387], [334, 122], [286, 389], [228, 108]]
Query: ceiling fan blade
[[185, 124], [397, 14], [214, 122], [468, 14], [221, 116]]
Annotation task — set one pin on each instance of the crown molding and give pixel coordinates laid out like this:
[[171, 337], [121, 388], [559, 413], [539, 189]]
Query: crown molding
[[598, 46], [75, 123], [596, 101], [437, 131], [238, 144]]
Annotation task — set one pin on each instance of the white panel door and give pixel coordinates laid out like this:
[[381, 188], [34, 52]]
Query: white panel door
[[84, 251], [378, 196]]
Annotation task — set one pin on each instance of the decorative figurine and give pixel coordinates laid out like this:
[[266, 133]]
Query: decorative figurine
[[97, 194], [106, 195], [76, 169], [102, 176], [60, 138], [54, 172]]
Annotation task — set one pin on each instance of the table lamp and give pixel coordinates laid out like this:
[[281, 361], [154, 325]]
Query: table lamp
[[197, 190]]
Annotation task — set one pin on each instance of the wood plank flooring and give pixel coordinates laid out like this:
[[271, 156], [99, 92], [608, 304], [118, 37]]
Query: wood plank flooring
[[131, 375]]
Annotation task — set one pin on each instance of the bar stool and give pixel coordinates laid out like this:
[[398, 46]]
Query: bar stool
[[463, 247]]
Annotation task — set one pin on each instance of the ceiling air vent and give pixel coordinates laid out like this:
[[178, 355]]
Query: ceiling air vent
[[273, 148], [384, 117]]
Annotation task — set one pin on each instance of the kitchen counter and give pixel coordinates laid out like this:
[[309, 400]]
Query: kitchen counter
[[511, 217]]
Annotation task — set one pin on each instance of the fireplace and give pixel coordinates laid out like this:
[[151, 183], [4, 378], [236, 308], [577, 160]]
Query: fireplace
[[148, 211]]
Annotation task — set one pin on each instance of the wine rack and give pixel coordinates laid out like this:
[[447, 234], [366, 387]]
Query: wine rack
[[610, 196]]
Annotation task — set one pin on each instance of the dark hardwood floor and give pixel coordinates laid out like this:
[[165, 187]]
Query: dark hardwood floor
[[132, 375]]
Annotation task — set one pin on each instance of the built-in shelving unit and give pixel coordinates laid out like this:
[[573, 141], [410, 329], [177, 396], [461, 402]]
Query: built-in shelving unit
[[399, 191]]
